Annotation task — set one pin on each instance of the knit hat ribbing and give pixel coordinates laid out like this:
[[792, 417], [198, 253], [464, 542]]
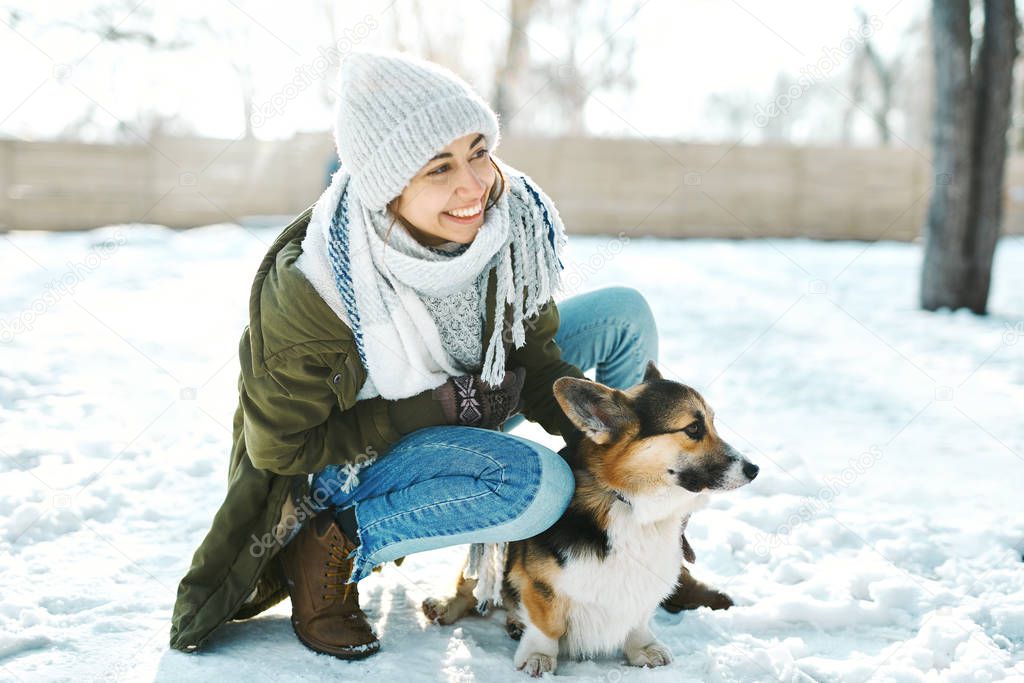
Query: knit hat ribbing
[[394, 113]]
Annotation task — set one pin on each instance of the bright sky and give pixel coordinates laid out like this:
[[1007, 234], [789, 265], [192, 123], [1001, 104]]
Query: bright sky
[[686, 52]]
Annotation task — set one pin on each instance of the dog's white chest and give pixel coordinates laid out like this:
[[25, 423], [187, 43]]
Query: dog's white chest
[[610, 597]]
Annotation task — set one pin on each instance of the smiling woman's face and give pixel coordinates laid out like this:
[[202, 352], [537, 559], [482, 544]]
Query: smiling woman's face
[[455, 183]]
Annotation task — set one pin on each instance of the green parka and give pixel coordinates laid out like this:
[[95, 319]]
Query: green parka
[[297, 412]]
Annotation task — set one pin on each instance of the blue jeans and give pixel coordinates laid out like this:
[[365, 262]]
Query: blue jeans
[[450, 485]]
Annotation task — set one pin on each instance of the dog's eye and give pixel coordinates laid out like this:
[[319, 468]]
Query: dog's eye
[[694, 431]]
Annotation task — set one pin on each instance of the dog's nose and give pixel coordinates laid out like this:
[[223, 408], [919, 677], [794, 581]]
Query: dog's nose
[[750, 470]]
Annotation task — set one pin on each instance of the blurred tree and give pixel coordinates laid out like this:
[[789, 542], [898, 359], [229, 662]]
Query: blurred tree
[[728, 114], [914, 93], [124, 21], [510, 67], [127, 26], [233, 41], [793, 97], [972, 111], [886, 72], [575, 74], [563, 49]]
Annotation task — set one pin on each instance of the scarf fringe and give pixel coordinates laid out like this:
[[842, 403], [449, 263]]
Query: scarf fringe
[[487, 565]]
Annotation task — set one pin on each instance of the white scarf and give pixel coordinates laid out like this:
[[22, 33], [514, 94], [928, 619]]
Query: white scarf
[[375, 289]]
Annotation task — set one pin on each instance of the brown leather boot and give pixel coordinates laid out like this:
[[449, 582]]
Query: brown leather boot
[[691, 594], [325, 610]]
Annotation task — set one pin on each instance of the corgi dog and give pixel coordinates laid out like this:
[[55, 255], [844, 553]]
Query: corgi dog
[[644, 460]]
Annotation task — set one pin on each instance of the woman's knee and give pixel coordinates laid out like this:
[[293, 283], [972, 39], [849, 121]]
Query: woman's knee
[[550, 496], [558, 478], [638, 327], [632, 306], [531, 484]]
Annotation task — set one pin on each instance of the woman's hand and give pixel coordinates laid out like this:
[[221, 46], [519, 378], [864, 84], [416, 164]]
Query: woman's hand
[[469, 401]]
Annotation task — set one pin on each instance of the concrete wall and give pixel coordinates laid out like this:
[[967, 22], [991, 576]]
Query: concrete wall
[[601, 186]]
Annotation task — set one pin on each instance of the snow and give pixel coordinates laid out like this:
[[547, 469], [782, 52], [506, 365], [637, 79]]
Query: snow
[[881, 541]]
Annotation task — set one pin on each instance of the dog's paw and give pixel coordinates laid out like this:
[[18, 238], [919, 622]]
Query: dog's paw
[[441, 611], [651, 655], [718, 600], [514, 629], [537, 664]]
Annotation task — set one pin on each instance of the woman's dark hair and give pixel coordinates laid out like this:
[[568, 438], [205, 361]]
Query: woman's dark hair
[[500, 181]]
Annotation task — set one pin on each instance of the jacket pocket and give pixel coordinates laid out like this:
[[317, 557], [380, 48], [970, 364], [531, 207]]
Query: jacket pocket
[[345, 379]]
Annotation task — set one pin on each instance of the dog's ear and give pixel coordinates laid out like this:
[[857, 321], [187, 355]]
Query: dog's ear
[[598, 411], [652, 372]]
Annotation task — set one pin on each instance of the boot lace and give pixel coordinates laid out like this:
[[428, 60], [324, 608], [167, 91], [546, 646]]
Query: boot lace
[[334, 581]]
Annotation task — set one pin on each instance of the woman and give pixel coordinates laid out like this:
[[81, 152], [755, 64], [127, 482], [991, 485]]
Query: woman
[[375, 377]]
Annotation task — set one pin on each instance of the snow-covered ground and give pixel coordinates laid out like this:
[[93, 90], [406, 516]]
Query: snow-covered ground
[[882, 540]]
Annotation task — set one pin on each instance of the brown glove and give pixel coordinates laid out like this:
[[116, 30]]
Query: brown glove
[[469, 401]]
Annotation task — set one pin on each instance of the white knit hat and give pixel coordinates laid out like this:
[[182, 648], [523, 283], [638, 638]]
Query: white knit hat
[[394, 113]]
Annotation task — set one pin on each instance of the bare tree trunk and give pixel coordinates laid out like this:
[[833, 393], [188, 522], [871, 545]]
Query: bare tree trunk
[[969, 153], [991, 120], [885, 74], [247, 91], [428, 48], [515, 58], [856, 97]]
